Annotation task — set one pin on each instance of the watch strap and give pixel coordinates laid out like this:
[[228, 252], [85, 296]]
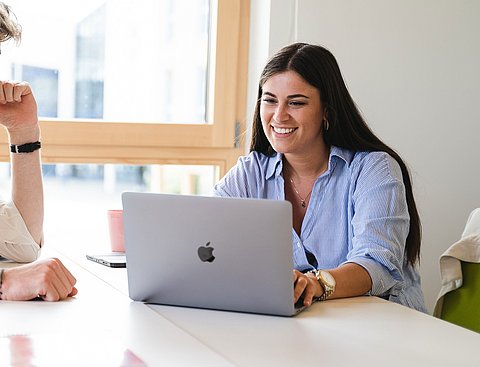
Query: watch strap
[[328, 289], [25, 148]]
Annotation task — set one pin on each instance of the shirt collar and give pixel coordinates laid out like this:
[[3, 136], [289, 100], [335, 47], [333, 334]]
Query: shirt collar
[[275, 163], [344, 154], [275, 166]]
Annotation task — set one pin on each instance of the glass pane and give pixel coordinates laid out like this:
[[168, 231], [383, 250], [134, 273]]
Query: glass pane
[[77, 197], [117, 60]]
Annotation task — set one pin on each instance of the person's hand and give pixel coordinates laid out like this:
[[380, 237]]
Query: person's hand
[[48, 279], [306, 286], [18, 108]]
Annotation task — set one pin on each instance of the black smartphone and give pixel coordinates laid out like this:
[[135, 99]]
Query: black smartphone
[[112, 260]]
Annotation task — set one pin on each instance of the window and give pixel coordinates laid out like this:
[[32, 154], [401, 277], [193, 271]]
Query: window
[[106, 59], [41, 79], [142, 96]]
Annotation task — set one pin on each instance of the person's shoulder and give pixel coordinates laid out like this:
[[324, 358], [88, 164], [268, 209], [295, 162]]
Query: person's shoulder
[[251, 166], [377, 163], [254, 158], [255, 161], [246, 177]]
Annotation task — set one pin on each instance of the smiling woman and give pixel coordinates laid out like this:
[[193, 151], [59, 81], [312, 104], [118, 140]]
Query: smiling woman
[[356, 228]]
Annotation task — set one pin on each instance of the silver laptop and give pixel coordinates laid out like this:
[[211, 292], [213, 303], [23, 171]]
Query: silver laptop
[[208, 252]]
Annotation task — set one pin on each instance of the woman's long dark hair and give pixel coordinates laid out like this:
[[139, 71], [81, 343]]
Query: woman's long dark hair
[[347, 129]]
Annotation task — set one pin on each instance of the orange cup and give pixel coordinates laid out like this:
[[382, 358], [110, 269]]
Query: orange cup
[[115, 225]]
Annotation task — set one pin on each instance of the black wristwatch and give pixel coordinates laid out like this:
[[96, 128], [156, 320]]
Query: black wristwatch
[[25, 148]]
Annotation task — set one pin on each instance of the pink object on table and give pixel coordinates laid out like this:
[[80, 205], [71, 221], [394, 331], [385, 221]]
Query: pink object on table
[[115, 224]]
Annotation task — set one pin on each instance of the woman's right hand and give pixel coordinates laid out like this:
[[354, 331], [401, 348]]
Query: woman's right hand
[[306, 286], [18, 109]]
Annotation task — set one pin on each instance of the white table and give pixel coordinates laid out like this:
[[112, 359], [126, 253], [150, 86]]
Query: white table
[[349, 332], [355, 331], [96, 327]]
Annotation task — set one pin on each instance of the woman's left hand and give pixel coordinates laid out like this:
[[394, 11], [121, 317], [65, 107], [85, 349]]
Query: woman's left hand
[[306, 286]]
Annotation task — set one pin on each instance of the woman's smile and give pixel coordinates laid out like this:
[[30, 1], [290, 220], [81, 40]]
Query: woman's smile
[[283, 130]]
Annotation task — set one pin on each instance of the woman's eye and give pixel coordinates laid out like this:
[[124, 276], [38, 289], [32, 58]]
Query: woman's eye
[[297, 103], [269, 100]]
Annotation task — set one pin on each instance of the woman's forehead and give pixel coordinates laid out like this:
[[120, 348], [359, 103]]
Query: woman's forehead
[[288, 82]]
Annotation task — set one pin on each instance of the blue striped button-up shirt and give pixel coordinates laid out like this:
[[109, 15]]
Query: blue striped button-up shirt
[[357, 213]]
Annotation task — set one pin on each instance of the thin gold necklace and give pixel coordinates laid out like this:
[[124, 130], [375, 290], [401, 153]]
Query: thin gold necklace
[[302, 200]]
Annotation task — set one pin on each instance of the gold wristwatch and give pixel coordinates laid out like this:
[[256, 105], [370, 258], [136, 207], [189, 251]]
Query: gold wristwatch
[[327, 282]]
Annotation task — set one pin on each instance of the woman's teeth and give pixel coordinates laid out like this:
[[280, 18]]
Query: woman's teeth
[[279, 130]]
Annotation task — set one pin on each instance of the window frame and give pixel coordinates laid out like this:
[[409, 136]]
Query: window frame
[[214, 143]]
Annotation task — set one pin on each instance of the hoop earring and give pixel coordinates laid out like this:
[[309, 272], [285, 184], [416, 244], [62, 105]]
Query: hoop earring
[[326, 125]]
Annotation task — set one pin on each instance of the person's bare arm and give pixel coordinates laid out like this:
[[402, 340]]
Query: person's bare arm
[[18, 113]]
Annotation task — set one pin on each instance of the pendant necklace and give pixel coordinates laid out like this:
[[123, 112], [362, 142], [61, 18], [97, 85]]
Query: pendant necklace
[[302, 200]]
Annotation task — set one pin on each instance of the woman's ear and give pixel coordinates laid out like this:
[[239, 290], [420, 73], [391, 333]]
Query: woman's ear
[[326, 124]]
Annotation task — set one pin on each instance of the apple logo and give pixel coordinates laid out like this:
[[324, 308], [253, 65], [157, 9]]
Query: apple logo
[[205, 253]]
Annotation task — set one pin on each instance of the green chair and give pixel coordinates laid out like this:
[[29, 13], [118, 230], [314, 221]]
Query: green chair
[[462, 306]]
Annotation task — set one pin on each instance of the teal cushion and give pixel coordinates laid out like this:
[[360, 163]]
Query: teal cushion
[[462, 306]]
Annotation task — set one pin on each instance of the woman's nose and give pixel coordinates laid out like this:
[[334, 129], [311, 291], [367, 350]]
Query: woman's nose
[[280, 113]]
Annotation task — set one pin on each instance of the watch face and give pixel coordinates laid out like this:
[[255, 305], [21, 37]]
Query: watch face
[[328, 278]]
